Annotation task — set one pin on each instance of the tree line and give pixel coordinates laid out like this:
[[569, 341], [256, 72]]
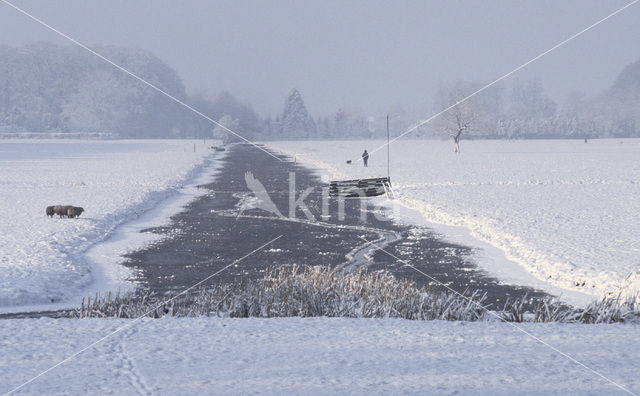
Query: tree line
[[64, 89]]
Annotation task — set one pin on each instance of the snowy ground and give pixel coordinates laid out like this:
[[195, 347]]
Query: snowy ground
[[565, 211], [126, 186], [315, 356], [46, 262]]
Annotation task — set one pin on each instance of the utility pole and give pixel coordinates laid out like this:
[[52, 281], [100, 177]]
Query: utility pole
[[388, 172]]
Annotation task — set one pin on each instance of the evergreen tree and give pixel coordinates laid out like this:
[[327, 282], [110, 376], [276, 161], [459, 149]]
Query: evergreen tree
[[295, 121]]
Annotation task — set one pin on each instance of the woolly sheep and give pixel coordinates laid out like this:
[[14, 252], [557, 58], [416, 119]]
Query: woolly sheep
[[74, 211], [61, 210]]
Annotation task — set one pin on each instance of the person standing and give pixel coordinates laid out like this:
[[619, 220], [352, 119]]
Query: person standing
[[365, 157]]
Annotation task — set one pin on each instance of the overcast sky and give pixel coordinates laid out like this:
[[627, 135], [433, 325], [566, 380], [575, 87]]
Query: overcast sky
[[369, 55]]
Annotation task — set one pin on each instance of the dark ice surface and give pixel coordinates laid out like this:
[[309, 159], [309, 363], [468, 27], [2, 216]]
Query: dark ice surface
[[208, 235], [216, 229]]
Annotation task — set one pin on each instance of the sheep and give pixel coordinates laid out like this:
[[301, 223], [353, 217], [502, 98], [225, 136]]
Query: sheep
[[74, 211], [61, 210], [64, 211]]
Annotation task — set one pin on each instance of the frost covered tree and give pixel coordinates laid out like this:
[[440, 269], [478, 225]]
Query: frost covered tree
[[56, 88], [295, 121], [222, 131], [341, 124], [346, 124], [457, 120], [248, 121], [528, 101], [616, 113]]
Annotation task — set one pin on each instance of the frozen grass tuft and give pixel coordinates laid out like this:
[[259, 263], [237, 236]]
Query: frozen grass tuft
[[322, 291], [303, 292], [606, 310]]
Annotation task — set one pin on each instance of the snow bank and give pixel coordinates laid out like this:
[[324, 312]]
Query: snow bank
[[565, 211], [315, 356], [42, 259]]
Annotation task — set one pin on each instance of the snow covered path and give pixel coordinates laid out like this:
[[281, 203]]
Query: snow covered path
[[315, 356], [565, 211], [42, 259]]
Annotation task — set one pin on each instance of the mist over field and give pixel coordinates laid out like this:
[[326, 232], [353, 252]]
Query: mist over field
[[310, 71]]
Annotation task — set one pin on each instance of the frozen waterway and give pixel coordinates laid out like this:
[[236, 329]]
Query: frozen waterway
[[563, 212], [227, 223]]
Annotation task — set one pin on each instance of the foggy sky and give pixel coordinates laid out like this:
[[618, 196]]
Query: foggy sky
[[369, 55]]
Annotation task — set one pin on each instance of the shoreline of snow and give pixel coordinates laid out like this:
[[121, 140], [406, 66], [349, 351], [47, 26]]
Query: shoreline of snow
[[94, 253], [106, 257], [503, 255]]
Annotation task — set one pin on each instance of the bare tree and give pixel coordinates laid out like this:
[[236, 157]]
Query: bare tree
[[462, 125], [457, 121]]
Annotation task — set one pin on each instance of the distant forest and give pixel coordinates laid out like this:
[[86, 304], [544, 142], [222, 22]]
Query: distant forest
[[46, 88]]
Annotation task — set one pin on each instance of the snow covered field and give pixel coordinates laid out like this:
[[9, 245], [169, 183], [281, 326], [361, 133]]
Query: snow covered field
[[567, 212], [315, 356], [42, 260], [129, 185]]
